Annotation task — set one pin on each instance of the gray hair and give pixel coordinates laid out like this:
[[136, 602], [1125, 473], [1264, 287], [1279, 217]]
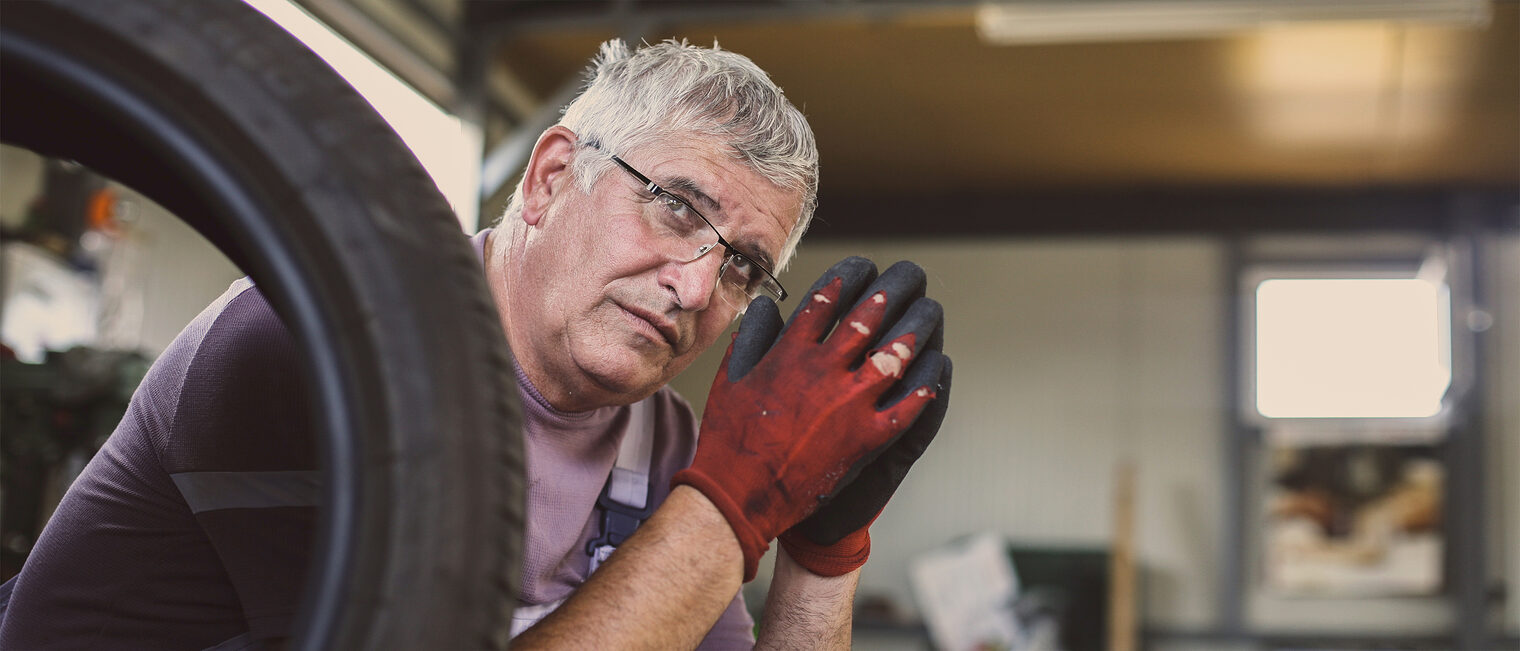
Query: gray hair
[[637, 98]]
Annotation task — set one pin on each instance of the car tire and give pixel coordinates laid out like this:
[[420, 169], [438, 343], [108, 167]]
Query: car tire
[[216, 113]]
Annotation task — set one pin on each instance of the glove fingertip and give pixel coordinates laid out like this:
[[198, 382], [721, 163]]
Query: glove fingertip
[[852, 275], [854, 271], [925, 318], [905, 278], [757, 333], [902, 284]]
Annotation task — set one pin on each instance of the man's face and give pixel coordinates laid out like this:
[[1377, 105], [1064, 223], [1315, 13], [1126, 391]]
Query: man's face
[[613, 318]]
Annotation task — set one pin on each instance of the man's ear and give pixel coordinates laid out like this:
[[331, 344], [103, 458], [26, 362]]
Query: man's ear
[[548, 172]]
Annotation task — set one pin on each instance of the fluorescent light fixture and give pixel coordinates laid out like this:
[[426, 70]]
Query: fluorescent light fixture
[[1014, 23]]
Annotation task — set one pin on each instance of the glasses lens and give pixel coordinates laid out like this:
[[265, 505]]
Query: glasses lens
[[743, 281], [680, 227]]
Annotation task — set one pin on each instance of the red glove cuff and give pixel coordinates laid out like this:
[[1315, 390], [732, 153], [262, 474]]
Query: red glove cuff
[[837, 559], [751, 541]]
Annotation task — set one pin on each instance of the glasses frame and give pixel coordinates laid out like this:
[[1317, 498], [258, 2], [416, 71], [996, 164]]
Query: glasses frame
[[728, 249]]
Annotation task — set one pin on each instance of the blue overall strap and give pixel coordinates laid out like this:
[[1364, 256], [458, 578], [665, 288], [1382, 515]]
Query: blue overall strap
[[624, 503], [625, 500]]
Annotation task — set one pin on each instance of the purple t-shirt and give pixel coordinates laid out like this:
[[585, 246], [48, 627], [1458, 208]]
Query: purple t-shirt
[[192, 527]]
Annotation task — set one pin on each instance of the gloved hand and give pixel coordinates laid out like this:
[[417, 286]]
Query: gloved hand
[[836, 539], [791, 418]]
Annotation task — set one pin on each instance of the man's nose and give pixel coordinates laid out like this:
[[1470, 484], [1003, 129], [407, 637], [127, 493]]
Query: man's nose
[[694, 282]]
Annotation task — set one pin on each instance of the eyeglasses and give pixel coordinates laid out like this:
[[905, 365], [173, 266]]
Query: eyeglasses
[[687, 235]]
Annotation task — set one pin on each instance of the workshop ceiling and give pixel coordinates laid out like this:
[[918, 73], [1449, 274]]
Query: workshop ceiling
[[908, 98]]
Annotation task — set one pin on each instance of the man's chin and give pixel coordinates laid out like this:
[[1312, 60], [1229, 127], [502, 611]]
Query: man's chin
[[628, 376]]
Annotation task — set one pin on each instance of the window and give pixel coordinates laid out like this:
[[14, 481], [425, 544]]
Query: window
[[1350, 347]]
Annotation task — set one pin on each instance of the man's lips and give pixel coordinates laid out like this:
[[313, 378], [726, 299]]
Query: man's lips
[[660, 324]]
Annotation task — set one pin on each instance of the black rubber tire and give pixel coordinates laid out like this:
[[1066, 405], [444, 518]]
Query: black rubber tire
[[219, 115]]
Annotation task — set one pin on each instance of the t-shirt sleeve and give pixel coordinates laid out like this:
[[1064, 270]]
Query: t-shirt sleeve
[[242, 452]]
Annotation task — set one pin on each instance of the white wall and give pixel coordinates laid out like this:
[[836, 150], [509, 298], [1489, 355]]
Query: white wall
[[170, 271], [20, 176]]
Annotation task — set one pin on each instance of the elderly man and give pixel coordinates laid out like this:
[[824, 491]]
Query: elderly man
[[646, 221]]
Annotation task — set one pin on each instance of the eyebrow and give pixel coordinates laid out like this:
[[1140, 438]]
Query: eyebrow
[[758, 255], [686, 187], [683, 187]]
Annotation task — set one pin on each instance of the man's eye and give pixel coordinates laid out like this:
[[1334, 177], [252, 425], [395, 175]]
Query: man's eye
[[672, 204], [748, 270], [742, 265]]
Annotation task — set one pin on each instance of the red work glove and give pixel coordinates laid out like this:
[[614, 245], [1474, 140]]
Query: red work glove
[[836, 539], [790, 419]]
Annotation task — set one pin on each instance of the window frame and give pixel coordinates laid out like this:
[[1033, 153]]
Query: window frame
[[1429, 265]]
